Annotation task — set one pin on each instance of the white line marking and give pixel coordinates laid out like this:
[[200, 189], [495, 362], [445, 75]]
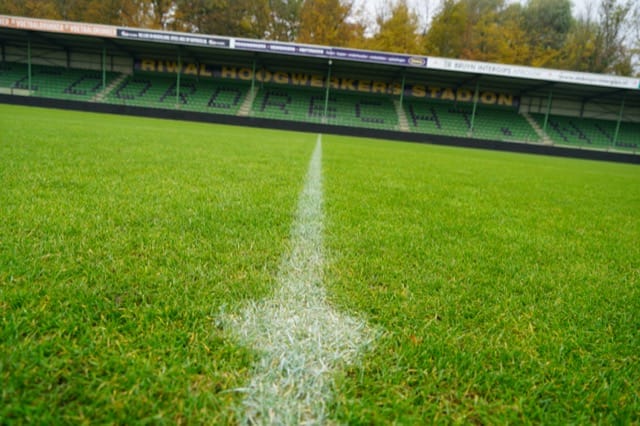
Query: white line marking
[[302, 339]]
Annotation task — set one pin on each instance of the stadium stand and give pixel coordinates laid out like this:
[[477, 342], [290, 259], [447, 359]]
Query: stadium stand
[[308, 105], [451, 119], [53, 82], [160, 91], [590, 132]]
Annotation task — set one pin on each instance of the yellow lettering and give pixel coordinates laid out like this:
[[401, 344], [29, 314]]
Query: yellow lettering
[[347, 84], [300, 79], [229, 73], [204, 72], [263, 75], [464, 95], [447, 94], [148, 65], [395, 88], [434, 92], [335, 83], [191, 69], [364, 86], [316, 81], [379, 87], [505, 99], [488, 98], [171, 66], [245, 74], [419, 91], [281, 77]]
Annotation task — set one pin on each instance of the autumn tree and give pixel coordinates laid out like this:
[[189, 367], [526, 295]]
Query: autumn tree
[[547, 23], [444, 37], [398, 31], [328, 22], [284, 19]]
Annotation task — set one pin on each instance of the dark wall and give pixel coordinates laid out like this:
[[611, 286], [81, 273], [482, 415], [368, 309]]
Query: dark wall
[[322, 128]]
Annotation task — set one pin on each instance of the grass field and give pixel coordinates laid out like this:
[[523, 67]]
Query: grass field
[[504, 288]]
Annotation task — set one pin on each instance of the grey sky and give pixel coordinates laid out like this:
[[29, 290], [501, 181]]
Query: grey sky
[[428, 8]]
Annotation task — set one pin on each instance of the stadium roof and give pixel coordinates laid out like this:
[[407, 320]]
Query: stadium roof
[[523, 81]]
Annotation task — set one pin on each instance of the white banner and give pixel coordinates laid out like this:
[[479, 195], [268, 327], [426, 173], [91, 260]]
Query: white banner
[[543, 74]]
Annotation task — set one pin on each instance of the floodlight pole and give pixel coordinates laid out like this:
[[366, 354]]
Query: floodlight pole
[[476, 95], [178, 78], [615, 136], [546, 115], [326, 96], [29, 64]]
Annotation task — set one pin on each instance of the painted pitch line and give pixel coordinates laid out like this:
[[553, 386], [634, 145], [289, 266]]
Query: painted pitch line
[[302, 339]]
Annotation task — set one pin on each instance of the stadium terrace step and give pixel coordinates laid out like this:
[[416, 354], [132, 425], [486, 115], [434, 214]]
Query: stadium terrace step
[[403, 123], [534, 124], [245, 108], [99, 97]]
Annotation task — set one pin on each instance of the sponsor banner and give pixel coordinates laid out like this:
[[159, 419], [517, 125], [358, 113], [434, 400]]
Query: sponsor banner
[[319, 81], [57, 26], [330, 53], [169, 37], [379, 57], [516, 71]]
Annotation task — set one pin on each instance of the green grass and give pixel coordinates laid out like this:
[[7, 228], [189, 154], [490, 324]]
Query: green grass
[[506, 287], [121, 240]]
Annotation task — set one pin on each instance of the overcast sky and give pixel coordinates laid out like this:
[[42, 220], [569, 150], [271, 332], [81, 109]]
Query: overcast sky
[[428, 8]]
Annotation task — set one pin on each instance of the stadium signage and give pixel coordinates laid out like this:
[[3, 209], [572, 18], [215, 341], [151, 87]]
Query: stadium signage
[[319, 81], [515, 71], [57, 26], [167, 37]]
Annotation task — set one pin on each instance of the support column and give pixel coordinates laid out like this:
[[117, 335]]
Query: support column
[[178, 78], [546, 115], [615, 136], [476, 96], [253, 79], [404, 76], [326, 96], [104, 68], [29, 65]]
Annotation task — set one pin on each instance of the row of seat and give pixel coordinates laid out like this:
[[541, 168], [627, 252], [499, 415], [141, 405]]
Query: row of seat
[[339, 108], [54, 82], [157, 91], [451, 119], [590, 132], [311, 105]]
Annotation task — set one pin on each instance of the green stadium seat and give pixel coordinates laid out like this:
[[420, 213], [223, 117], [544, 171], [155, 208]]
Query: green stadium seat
[[308, 105], [53, 82], [451, 119], [590, 132]]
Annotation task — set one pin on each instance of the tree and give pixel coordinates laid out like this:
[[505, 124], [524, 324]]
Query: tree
[[398, 32], [612, 55], [445, 36], [238, 18], [284, 19], [547, 22], [579, 50], [328, 22]]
